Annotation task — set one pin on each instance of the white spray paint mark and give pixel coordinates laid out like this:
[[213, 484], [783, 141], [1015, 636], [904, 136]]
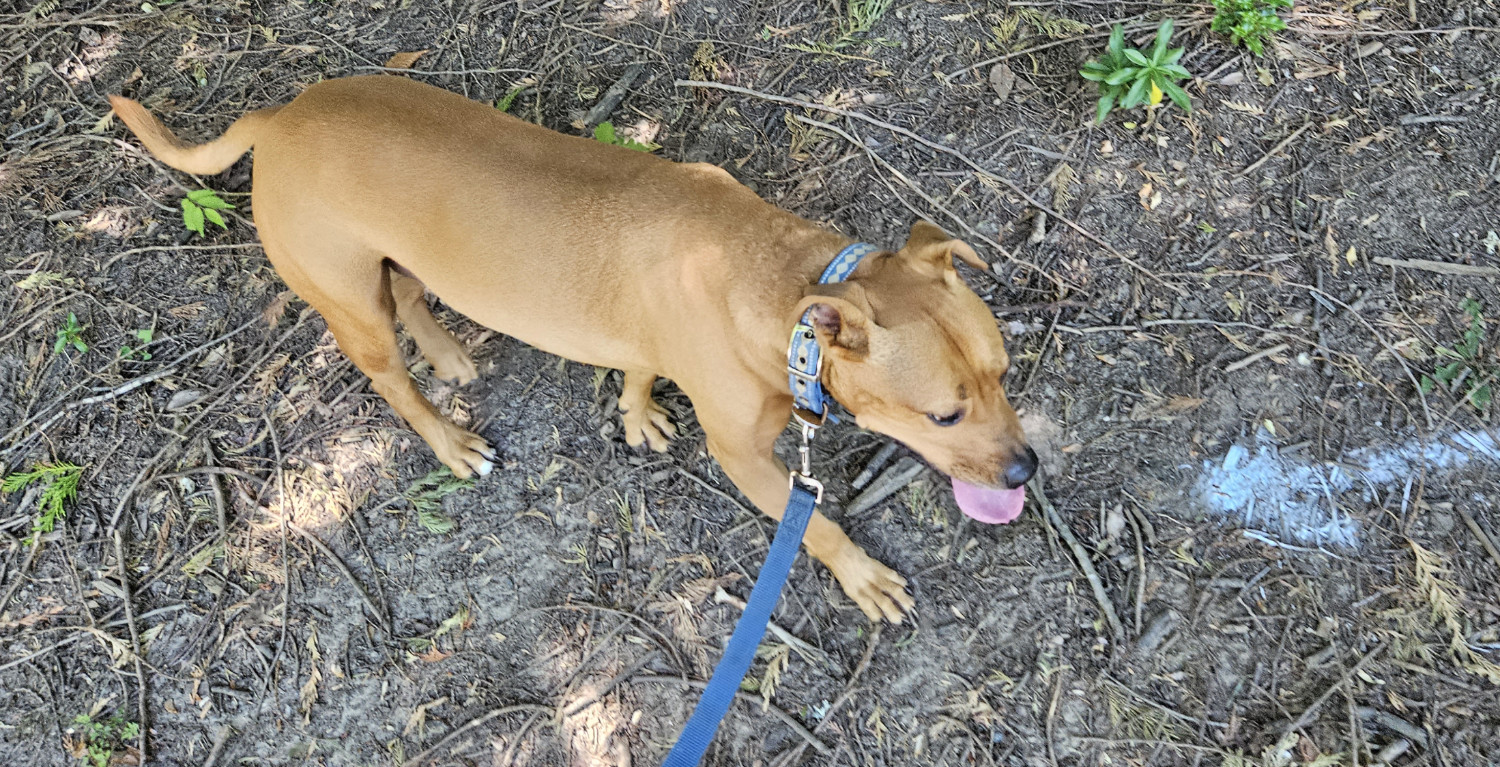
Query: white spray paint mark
[[1296, 500]]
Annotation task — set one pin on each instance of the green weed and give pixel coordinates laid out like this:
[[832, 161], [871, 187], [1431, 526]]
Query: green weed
[[426, 497], [142, 337], [859, 18], [1465, 367], [509, 99], [59, 486], [102, 738], [203, 205], [1127, 77], [605, 132], [70, 334], [1249, 22]]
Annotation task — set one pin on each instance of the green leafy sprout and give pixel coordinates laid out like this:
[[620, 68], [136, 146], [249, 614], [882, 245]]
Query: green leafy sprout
[[59, 483], [509, 99], [70, 334], [1463, 367], [102, 738], [203, 205], [859, 18], [1128, 77], [426, 497], [1249, 22], [605, 133], [143, 338]]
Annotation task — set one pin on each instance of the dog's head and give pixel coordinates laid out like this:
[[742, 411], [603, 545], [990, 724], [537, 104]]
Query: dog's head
[[913, 353]]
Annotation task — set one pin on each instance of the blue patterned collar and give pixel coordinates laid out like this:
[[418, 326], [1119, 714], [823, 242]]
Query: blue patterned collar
[[804, 358]]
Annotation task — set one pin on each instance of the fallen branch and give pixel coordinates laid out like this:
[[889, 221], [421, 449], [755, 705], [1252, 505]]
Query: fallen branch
[[364, 596], [1082, 556], [1268, 155], [787, 719], [471, 724], [135, 650], [1312, 711], [807, 651], [1440, 267], [1256, 357]]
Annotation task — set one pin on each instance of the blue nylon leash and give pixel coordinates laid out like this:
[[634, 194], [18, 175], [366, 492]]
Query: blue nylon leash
[[804, 367], [699, 731]]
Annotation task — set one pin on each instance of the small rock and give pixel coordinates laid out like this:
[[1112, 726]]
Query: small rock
[[183, 399]]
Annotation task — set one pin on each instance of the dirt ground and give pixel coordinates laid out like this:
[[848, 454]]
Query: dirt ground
[[296, 588]]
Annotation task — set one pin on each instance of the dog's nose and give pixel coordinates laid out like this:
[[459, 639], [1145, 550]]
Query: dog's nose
[[1021, 469]]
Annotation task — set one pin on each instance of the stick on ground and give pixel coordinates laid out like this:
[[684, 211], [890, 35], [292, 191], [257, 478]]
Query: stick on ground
[[1082, 556]]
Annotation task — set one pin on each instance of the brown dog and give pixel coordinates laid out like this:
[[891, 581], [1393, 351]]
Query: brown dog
[[369, 189]]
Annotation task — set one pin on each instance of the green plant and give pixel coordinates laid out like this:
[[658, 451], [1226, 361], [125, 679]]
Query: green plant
[[426, 497], [70, 334], [201, 205], [1127, 77], [1249, 22], [143, 337], [509, 99], [1465, 368], [60, 485], [605, 132], [100, 739], [859, 18]]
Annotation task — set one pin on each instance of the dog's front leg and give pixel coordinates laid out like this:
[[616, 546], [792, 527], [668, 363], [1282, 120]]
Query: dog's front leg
[[743, 447]]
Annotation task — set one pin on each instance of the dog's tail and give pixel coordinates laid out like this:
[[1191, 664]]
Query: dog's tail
[[202, 159]]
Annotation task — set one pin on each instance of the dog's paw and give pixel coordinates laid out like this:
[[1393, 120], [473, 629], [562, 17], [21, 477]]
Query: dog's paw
[[876, 589], [650, 424], [456, 366], [466, 454]]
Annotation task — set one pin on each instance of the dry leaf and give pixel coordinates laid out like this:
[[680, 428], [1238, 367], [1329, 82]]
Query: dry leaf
[[1373, 138], [1002, 80], [1146, 194], [273, 311], [434, 655], [1351, 256], [1240, 106], [404, 60]]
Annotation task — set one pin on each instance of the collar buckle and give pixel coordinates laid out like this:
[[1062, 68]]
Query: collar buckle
[[803, 340]]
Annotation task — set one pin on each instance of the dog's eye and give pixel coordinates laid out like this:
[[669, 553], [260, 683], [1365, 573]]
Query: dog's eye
[[946, 420]]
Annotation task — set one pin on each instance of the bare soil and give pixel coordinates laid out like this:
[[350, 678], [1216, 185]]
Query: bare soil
[[1198, 280]]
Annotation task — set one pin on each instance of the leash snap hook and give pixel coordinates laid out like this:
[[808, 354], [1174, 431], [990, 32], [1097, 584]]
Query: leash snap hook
[[804, 452]]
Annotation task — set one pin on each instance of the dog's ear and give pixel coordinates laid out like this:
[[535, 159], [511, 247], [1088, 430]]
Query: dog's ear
[[840, 315], [931, 247]]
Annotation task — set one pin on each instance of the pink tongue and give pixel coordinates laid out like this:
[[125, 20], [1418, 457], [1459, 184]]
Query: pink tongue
[[985, 504]]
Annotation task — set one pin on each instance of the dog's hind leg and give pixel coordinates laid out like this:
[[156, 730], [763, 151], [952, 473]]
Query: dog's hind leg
[[645, 421], [444, 352], [353, 293]]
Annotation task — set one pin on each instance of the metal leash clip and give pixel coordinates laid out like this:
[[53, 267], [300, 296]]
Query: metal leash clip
[[804, 452]]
